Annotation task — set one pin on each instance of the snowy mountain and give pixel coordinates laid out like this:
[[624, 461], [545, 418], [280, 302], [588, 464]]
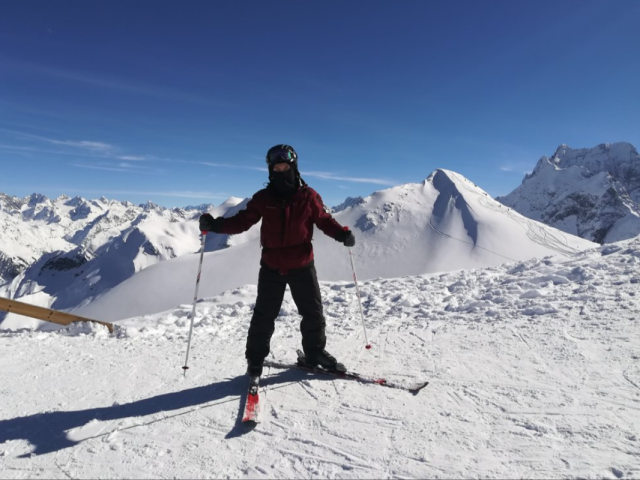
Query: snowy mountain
[[442, 224], [36, 225], [593, 193], [533, 371], [528, 337], [66, 251]]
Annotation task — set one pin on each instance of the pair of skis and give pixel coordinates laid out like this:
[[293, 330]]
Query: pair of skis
[[252, 404]]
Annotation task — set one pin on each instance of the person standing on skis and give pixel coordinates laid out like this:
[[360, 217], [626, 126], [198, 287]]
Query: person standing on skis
[[289, 209]]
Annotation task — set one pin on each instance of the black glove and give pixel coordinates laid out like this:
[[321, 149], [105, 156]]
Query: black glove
[[349, 240], [210, 224]]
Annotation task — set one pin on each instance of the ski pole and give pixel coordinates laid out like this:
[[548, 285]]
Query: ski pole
[[195, 299], [355, 279]]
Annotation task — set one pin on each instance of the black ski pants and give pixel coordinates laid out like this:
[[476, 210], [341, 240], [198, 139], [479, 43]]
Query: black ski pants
[[305, 291]]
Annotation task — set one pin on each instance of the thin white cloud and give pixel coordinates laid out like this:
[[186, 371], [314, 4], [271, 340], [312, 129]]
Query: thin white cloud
[[89, 148], [133, 158], [100, 167], [234, 166], [517, 168], [85, 144], [331, 176], [90, 145], [322, 175], [113, 84], [45, 151], [121, 167], [20, 148], [178, 194]]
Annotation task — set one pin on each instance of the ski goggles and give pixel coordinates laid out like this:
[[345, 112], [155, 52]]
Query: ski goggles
[[279, 156]]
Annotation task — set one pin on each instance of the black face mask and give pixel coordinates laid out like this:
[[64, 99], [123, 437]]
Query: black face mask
[[284, 183]]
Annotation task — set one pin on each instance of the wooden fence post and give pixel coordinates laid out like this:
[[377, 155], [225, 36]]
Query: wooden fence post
[[46, 314]]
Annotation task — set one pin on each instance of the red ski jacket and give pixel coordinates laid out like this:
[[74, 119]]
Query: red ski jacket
[[287, 226]]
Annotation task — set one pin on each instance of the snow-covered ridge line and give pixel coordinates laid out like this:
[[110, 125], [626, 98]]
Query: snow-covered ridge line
[[12, 204]]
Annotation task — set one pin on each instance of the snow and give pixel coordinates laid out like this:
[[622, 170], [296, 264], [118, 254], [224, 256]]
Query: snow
[[445, 223], [81, 248], [528, 337], [112, 253], [533, 370]]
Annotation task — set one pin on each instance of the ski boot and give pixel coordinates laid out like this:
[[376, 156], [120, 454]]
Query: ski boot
[[254, 369], [321, 359]]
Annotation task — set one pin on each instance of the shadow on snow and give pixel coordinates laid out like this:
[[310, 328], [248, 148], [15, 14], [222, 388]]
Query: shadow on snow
[[47, 432]]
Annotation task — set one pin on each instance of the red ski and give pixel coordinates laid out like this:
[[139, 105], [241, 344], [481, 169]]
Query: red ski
[[252, 404]]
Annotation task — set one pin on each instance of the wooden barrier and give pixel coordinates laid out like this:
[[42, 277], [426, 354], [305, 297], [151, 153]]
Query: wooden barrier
[[46, 314]]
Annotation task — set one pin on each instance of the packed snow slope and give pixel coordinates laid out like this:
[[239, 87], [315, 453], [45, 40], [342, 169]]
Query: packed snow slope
[[534, 371], [445, 223], [593, 193]]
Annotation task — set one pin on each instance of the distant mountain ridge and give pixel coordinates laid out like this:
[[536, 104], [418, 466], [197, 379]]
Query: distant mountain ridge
[[590, 192], [36, 225], [65, 251], [103, 254]]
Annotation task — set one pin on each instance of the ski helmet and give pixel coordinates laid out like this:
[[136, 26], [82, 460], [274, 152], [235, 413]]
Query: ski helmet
[[282, 154]]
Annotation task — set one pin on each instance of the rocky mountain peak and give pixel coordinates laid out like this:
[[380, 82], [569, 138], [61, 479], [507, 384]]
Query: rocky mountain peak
[[36, 199], [9, 203], [151, 207], [590, 192]]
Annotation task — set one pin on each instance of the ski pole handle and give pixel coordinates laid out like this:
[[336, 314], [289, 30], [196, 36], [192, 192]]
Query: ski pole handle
[[195, 299]]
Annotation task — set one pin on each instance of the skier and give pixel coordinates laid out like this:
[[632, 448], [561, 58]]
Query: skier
[[288, 208]]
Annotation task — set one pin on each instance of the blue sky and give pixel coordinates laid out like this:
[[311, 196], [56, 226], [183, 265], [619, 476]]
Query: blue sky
[[178, 102]]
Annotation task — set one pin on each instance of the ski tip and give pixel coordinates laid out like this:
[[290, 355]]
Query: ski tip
[[416, 390]]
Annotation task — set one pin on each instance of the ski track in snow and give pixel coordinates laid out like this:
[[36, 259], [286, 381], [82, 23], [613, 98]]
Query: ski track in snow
[[533, 369]]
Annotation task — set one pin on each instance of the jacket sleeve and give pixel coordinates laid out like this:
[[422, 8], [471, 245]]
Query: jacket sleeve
[[244, 219], [324, 220]]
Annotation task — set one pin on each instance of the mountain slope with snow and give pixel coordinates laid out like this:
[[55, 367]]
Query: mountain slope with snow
[[36, 226], [533, 370], [593, 193], [63, 253], [442, 224]]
